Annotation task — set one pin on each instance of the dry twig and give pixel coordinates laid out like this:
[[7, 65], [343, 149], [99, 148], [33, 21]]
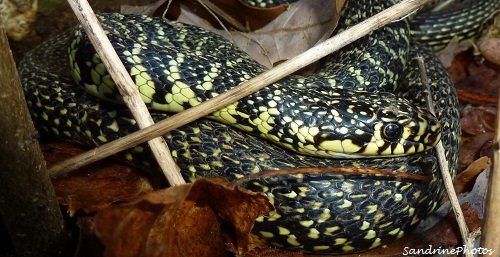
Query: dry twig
[[445, 171]]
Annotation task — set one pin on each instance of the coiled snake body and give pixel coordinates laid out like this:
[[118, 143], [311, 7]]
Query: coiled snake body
[[366, 102]]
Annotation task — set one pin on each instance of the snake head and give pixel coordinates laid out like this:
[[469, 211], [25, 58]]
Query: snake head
[[368, 125]]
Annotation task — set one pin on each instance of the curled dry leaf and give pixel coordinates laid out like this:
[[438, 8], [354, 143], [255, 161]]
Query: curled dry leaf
[[489, 45], [185, 220], [478, 125], [476, 198], [478, 120], [88, 243], [476, 83], [447, 55], [96, 186], [234, 14], [148, 9], [490, 49], [466, 179], [303, 25], [474, 147]]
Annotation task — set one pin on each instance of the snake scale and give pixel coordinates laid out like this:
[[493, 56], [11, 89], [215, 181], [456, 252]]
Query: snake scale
[[367, 101]]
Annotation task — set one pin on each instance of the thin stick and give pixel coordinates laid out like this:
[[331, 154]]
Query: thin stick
[[491, 228], [126, 86], [445, 172], [314, 54]]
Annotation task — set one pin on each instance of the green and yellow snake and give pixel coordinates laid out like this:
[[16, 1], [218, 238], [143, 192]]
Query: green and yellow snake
[[364, 109]]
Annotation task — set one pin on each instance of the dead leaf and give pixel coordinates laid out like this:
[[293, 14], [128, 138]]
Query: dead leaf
[[186, 220], [489, 45], [476, 198], [490, 49], [474, 147], [234, 14], [466, 179], [447, 55], [259, 248], [476, 83], [88, 243], [303, 25], [97, 185], [478, 120]]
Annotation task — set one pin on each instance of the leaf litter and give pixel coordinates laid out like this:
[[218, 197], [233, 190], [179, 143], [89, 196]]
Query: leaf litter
[[185, 220], [98, 185]]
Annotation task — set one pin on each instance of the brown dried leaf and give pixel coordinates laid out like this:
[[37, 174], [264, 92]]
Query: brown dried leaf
[[476, 83], [478, 123], [478, 120], [89, 244], [465, 180], [447, 55], [490, 49], [95, 186], [303, 25], [489, 45], [475, 147], [241, 16], [181, 221]]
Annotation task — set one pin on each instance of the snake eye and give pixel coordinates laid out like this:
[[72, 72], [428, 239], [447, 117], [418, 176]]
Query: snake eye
[[391, 131]]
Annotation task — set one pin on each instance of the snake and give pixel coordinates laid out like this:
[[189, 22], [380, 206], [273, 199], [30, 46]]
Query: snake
[[364, 109]]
